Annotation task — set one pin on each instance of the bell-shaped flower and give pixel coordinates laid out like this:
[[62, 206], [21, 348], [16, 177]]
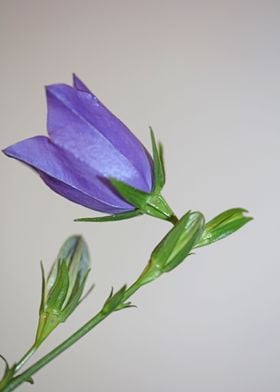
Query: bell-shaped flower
[[87, 149]]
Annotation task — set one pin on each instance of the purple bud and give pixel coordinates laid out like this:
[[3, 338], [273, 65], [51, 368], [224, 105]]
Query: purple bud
[[87, 145]]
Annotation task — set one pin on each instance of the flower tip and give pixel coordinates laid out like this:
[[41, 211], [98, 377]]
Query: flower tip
[[78, 84], [8, 151]]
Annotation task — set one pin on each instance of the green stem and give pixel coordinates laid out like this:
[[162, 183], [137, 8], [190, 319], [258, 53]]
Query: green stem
[[26, 357], [173, 219], [100, 316]]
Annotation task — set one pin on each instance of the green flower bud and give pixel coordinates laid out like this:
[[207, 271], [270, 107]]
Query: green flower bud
[[223, 225], [174, 247], [62, 291]]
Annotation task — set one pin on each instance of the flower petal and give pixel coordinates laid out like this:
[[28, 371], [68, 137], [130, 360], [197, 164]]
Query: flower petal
[[80, 123], [67, 176], [79, 85]]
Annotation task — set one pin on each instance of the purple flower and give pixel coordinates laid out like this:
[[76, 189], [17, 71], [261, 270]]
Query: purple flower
[[86, 147]]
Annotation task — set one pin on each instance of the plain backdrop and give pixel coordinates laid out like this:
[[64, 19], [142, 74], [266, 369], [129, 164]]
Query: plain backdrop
[[205, 75]]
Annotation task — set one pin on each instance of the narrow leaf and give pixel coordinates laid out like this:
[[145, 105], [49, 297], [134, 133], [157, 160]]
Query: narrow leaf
[[6, 363], [30, 380], [111, 218]]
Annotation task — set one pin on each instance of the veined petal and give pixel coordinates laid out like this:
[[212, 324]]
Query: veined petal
[[80, 123], [66, 175]]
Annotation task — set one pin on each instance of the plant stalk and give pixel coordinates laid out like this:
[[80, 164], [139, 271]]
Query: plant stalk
[[27, 374]]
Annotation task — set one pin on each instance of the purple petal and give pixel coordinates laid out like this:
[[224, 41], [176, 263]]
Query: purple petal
[[79, 85], [80, 123], [66, 175]]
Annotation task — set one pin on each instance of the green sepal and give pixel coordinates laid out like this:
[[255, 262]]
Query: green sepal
[[114, 301], [75, 298], [58, 292], [43, 290], [175, 246], [126, 305], [111, 218], [161, 156], [223, 225], [159, 170], [148, 203]]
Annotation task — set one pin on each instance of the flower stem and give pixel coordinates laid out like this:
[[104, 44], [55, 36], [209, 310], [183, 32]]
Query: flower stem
[[173, 219], [26, 357], [26, 375]]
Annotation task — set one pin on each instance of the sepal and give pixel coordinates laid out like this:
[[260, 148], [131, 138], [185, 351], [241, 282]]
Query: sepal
[[159, 169], [148, 203], [114, 301]]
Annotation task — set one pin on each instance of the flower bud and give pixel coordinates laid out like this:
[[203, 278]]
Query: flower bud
[[62, 291], [174, 247], [223, 225]]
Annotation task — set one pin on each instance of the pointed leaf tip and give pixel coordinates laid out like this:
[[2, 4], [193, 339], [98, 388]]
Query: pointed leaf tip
[[111, 218]]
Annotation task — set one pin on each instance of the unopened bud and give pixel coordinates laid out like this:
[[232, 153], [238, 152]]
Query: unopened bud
[[175, 246], [62, 291]]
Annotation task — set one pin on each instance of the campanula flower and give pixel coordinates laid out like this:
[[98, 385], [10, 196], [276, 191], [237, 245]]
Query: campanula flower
[[90, 156]]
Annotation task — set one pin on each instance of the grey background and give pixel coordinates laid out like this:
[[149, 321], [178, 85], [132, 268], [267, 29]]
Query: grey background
[[205, 75]]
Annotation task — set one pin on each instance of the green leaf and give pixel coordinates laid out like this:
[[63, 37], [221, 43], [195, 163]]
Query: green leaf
[[7, 367], [223, 225], [30, 380], [111, 218], [159, 173]]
